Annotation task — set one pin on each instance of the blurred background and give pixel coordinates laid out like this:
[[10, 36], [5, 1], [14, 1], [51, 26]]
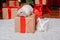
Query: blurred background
[[51, 6]]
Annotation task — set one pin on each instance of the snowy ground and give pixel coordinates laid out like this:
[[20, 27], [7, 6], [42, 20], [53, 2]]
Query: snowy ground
[[7, 31]]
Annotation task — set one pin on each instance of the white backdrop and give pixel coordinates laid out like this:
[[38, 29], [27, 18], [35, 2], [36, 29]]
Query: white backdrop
[[7, 31]]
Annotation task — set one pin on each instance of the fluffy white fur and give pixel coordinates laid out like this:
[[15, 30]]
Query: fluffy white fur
[[42, 24], [26, 10]]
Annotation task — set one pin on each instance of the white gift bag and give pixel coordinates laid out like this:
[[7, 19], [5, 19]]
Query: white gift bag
[[42, 24]]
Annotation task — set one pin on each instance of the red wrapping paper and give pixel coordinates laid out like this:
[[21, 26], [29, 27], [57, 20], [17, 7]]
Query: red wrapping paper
[[9, 13]]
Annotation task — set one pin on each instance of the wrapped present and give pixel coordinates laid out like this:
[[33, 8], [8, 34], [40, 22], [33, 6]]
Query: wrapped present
[[25, 24], [9, 12], [13, 3]]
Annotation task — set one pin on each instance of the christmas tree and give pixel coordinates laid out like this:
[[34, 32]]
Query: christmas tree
[[30, 2]]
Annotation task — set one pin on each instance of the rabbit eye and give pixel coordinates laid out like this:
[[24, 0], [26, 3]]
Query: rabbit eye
[[21, 12]]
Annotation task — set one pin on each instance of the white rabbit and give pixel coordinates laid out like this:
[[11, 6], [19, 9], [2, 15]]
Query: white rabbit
[[42, 24], [26, 10]]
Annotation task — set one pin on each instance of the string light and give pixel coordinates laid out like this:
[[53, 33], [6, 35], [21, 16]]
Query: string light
[[19, 0]]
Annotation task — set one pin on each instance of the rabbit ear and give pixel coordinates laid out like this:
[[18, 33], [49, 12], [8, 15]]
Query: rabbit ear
[[19, 11]]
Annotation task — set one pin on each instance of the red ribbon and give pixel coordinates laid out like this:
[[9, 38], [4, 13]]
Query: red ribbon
[[49, 11], [9, 13], [22, 25], [38, 9], [41, 8], [40, 2], [12, 7], [15, 3]]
